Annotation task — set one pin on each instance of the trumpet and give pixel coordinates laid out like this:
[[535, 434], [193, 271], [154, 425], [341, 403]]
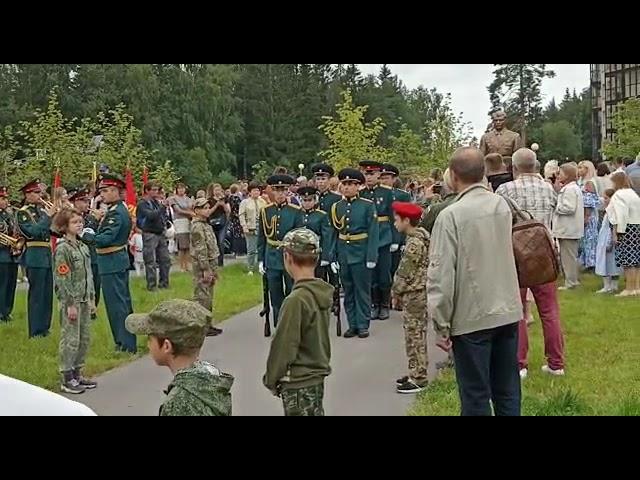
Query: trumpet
[[48, 205], [8, 241]]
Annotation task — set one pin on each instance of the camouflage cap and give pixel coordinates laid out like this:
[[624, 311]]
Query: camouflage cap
[[201, 203], [302, 241], [181, 321]]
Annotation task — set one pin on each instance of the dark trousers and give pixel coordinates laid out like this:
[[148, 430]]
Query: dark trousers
[[395, 263], [8, 280], [356, 280], [155, 251], [381, 277], [280, 285], [221, 234], [117, 300], [96, 281], [486, 365], [40, 299]]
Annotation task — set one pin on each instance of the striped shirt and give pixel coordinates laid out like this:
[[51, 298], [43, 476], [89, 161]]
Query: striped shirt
[[533, 194]]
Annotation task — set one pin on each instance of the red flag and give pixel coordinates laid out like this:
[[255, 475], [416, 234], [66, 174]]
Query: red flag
[[131, 198], [145, 176]]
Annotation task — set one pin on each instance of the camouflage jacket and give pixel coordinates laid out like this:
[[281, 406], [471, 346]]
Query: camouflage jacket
[[199, 391], [204, 246], [412, 271], [72, 273]]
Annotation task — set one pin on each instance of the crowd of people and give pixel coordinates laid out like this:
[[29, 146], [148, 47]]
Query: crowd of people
[[443, 253]]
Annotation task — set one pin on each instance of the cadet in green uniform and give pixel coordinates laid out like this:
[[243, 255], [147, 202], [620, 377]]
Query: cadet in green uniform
[[8, 258], [326, 199], [276, 220], [81, 200], [382, 197], [356, 223], [74, 289], [300, 355], [388, 177], [111, 241], [319, 223], [34, 223]]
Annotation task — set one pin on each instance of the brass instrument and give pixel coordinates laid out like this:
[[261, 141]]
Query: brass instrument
[[48, 205], [8, 241]]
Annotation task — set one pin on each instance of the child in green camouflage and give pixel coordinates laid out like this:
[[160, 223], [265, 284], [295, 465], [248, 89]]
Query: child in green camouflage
[[410, 285], [176, 330], [76, 296], [300, 355]]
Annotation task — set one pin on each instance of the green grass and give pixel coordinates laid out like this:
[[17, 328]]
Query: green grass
[[36, 361], [602, 335]]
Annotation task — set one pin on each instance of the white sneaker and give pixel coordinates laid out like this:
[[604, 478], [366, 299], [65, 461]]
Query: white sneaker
[[604, 290], [250, 274], [524, 373], [556, 373]]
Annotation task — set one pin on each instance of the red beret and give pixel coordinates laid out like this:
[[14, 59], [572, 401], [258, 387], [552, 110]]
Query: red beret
[[407, 210]]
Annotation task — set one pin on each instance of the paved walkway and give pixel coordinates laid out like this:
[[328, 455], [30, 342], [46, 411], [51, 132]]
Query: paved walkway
[[361, 385]]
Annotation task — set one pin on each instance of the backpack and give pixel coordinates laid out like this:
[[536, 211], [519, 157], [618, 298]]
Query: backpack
[[533, 248]]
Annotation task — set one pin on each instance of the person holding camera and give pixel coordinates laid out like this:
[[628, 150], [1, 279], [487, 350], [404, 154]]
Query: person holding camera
[[219, 218]]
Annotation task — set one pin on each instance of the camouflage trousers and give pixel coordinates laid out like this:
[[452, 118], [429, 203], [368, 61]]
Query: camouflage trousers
[[202, 292], [304, 402], [415, 333], [74, 338]]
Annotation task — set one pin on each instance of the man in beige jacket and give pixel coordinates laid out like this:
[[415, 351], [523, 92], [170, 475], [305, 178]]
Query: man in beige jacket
[[249, 213], [473, 293]]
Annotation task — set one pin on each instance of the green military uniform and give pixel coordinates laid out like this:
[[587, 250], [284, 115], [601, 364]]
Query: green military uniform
[[92, 223], [199, 390], [399, 195], [300, 355], [74, 288], [8, 261], [410, 286], [275, 222], [111, 241], [35, 224], [326, 200], [204, 256], [319, 223], [382, 197], [356, 223]]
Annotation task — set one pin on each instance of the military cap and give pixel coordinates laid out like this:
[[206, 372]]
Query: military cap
[[32, 186], [407, 210], [351, 175], [280, 181], [387, 168], [4, 192], [302, 241], [307, 192], [79, 194], [322, 169], [110, 180], [371, 166], [181, 321], [201, 203]]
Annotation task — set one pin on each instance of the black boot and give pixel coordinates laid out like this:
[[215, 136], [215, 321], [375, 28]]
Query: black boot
[[385, 304], [350, 333], [375, 304], [71, 385], [84, 382], [213, 332]]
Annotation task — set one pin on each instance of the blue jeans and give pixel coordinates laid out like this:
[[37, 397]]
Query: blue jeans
[[486, 365]]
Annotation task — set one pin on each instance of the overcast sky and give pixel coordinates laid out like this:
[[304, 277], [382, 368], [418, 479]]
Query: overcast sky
[[468, 84]]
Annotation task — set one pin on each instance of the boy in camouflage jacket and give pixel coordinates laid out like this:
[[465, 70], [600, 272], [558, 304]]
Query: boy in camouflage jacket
[[75, 291], [410, 285]]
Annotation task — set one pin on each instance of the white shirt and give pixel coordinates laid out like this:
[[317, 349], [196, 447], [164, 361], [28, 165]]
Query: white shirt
[[624, 209], [19, 399]]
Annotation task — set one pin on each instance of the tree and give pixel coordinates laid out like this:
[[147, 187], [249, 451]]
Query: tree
[[516, 89], [166, 176], [560, 141], [626, 123], [408, 151], [350, 138]]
